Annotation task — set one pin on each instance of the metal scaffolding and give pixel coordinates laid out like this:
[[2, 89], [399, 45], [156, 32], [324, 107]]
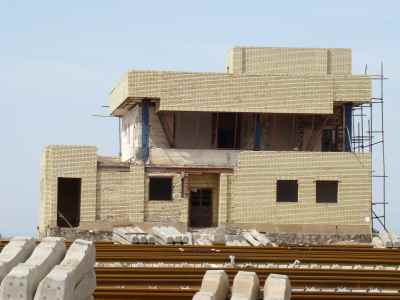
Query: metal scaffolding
[[369, 136]]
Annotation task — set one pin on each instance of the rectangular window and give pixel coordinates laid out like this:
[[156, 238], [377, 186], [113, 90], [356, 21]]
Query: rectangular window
[[327, 191], [286, 191], [160, 188]]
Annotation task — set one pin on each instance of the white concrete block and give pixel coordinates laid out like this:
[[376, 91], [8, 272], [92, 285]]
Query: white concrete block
[[163, 234], [245, 286], [250, 239], [215, 285], [16, 251], [386, 240], [203, 296], [277, 287], [22, 281], [395, 239], [260, 237], [377, 242], [73, 272], [219, 236]]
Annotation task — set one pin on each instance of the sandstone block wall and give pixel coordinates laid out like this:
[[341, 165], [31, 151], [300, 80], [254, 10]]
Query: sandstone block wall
[[180, 91], [68, 161], [120, 194], [253, 198], [284, 61]]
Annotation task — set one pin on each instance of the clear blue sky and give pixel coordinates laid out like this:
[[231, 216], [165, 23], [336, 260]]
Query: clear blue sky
[[60, 59]]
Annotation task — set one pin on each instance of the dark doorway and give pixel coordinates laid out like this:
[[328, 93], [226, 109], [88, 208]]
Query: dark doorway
[[200, 208], [227, 127], [68, 202]]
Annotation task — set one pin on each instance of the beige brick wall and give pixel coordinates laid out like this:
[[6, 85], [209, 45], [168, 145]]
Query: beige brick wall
[[244, 93], [120, 194], [284, 61], [174, 211], [254, 188], [68, 161], [225, 194]]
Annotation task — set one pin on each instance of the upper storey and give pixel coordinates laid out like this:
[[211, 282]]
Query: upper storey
[[264, 80], [285, 61]]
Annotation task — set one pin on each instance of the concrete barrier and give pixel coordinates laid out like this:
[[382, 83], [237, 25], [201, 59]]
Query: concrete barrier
[[16, 251], [22, 281], [245, 286], [277, 287], [215, 286], [74, 277]]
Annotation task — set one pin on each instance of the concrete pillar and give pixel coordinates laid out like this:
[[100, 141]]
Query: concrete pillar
[[22, 281], [215, 286], [16, 251], [74, 277], [277, 287], [245, 286]]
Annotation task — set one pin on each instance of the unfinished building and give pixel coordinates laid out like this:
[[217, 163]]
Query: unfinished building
[[266, 145]]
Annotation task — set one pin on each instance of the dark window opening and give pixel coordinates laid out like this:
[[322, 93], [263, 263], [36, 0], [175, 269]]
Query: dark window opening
[[328, 138], [160, 188], [68, 202], [286, 191], [327, 191], [227, 130]]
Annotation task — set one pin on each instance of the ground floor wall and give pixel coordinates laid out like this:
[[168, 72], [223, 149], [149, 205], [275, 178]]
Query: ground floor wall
[[115, 193]]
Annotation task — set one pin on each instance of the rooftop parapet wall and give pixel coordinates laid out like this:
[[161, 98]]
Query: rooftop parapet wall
[[284, 61], [220, 92]]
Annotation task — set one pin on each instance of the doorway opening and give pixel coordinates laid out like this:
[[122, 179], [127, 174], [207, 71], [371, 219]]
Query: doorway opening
[[68, 202], [227, 130], [201, 208]]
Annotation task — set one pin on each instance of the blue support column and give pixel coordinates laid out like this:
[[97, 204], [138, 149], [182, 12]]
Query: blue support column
[[348, 121], [257, 133], [145, 130]]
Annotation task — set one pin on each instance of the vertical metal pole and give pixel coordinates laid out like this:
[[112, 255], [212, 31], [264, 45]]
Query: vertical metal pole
[[383, 152], [145, 131], [119, 137], [362, 127]]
